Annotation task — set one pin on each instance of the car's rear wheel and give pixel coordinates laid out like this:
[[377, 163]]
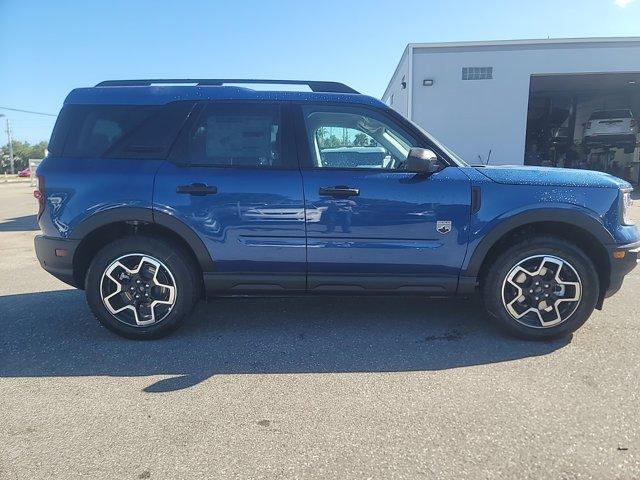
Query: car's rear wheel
[[141, 287], [541, 288]]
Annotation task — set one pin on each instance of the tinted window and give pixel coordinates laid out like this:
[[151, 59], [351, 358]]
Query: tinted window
[[353, 138], [94, 129], [155, 135], [117, 131], [60, 130], [235, 135], [610, 114]]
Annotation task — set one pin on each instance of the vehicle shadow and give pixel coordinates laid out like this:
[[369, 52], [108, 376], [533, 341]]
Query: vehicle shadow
[[20, 224], [54, 334]]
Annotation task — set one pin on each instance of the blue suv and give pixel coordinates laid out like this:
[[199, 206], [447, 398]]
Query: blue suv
[[155, 193]]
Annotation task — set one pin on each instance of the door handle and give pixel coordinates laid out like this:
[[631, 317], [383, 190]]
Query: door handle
[[339, 191], [197, 189]]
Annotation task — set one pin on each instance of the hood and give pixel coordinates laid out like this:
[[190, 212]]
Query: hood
[[548, 176]]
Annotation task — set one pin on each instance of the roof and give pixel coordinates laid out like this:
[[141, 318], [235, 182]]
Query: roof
[[159, 92], [612, 41], [313, 85], [523, 44]]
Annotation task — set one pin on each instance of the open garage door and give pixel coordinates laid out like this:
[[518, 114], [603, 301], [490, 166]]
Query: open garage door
[[587, 121]]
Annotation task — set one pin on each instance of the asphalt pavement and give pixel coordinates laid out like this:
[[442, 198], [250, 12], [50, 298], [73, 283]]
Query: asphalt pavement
[[336, 387]]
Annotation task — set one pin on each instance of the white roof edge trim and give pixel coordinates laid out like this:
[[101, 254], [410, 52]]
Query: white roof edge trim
[[525, 42]]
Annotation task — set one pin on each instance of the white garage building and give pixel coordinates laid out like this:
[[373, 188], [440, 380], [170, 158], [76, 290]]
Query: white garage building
[[497, 100]]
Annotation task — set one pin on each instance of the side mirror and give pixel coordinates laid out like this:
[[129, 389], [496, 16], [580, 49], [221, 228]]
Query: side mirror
[[422, 161]]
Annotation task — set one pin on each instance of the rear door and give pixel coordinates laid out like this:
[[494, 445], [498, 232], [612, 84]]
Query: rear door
[[370, 225], [233, 178]]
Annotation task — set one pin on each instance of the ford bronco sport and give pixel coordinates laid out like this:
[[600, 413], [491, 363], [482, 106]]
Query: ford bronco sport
[[156, 193]]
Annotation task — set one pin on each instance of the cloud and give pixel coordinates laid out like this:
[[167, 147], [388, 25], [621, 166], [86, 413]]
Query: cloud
[[623, 3]]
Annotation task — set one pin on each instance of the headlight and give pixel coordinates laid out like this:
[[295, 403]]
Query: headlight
[[626, 207]]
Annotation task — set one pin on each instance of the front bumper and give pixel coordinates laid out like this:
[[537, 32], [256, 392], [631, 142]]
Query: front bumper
[[620, 267], [56, 257]]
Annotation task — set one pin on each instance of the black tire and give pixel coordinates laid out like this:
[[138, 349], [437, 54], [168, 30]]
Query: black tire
[[178, 262], [495, 279]]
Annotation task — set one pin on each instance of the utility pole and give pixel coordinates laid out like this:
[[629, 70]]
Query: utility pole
[[10, 146]]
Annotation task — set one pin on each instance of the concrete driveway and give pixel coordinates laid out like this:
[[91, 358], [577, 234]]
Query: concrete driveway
[[306, 387]]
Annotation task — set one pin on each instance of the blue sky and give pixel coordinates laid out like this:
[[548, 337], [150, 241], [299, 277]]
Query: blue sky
[[49, 47]]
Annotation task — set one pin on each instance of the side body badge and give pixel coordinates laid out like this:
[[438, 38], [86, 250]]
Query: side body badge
[[443, 226]]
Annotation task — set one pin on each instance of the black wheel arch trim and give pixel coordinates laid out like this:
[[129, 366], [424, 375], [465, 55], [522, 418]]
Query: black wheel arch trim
[[188, 235], [111, 215], [150, 216], [569, 216]]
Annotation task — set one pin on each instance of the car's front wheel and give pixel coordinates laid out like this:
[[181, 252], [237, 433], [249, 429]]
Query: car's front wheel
[[541, 288], [142, 287]]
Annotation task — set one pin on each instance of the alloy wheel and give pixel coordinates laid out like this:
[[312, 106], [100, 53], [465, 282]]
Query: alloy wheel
[[541, 291], [138, 289]]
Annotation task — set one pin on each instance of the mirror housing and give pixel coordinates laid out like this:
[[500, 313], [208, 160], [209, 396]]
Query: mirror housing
[[422, 161]]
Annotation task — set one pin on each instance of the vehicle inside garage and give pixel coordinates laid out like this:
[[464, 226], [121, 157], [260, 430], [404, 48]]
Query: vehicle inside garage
[[586, 121]]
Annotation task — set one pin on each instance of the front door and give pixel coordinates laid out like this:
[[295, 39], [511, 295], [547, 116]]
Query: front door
[[234, 179], [370, 225]]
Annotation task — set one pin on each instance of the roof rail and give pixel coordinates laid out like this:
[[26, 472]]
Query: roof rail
[[315, 86]]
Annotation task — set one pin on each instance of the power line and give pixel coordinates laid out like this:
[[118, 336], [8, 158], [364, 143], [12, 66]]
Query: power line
[[28, 111]]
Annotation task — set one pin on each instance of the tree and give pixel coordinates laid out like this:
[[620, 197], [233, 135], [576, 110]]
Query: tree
[[22, 152], [361, 140], [364, 140], [330, 142]]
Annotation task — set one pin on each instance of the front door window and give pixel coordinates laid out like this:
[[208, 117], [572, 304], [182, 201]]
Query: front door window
[[355, 139]]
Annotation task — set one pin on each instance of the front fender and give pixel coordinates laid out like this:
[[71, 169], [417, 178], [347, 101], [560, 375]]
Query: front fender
[[491, 232]]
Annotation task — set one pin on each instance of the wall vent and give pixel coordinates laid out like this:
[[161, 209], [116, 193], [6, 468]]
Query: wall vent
[[477, 73]]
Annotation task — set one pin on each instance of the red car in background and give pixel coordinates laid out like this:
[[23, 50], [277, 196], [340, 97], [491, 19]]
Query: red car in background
[[24, 173]]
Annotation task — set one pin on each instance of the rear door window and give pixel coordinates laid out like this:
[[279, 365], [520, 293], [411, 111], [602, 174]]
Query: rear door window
[[235, 135]]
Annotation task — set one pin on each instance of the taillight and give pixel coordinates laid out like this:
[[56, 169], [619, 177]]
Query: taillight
[[38, 193], [588, 125]]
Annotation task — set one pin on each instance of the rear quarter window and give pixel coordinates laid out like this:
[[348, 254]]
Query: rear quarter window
[[117, 131]]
